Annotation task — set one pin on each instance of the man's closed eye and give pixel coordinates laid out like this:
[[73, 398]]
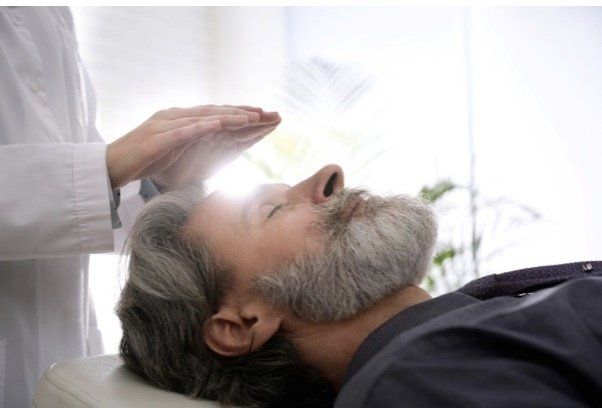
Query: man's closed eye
[[276, 208]]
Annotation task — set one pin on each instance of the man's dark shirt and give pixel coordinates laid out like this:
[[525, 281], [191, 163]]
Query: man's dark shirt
[[542, 349]]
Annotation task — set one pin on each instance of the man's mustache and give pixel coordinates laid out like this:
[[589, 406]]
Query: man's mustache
[[331, 213]]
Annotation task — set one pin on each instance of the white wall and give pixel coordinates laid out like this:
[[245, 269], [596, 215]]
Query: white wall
[[142, 59], [247, 54], [538, 110]]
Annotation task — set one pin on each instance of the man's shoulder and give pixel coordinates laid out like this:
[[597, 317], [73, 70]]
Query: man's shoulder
[[501, 338]]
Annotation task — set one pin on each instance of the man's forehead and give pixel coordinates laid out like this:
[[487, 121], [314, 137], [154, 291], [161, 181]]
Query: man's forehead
[[220, 197], [221, 205]]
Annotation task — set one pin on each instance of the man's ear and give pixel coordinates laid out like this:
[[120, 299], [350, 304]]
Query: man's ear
[[233, 331]]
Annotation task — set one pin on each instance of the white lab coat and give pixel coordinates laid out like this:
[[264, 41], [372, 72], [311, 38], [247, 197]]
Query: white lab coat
[[54, 198]]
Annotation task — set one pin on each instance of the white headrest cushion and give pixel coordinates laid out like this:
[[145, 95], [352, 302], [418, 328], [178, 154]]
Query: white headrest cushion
[[103, 381]]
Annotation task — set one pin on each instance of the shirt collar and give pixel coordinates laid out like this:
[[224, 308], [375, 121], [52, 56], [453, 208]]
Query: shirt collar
[[403, 321]]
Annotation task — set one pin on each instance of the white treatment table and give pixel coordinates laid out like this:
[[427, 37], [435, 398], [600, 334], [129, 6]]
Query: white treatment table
[[103, 381]]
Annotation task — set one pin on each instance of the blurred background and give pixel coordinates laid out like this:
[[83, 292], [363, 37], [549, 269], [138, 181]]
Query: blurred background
[[492, 114]]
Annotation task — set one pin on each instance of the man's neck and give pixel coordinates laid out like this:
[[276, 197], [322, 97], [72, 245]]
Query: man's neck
[[330, 347]]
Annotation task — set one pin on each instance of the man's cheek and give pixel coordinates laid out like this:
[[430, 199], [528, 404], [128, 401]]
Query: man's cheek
[[304, 220]]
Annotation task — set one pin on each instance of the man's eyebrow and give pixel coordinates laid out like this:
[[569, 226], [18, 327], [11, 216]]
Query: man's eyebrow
[[248, 202]]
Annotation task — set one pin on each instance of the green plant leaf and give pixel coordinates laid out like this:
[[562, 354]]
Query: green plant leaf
[[434, 193], [444, 254]]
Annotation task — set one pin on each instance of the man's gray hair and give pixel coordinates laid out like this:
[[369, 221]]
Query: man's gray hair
[[174, 285]]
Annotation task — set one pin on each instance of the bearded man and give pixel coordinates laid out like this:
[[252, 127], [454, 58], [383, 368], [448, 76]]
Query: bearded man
[[308, 295]]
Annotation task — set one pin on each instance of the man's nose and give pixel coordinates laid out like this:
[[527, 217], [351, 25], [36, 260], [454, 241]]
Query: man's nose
[[320, 187]]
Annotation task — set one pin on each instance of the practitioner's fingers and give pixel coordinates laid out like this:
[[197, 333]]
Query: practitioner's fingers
[[253, 132], [227, 122], [162, 143], [266, 117], [199, 111]]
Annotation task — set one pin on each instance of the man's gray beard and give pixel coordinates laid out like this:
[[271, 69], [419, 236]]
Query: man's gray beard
[[366, 258]]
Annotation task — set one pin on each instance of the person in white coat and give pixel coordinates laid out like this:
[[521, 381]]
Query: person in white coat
[[59, 186]]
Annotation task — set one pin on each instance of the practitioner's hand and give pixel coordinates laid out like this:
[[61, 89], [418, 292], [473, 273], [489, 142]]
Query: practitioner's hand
[[160, 141], [199, 159]]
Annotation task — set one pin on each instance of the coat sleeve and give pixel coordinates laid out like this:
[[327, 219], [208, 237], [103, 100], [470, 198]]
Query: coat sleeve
[[54, 200]]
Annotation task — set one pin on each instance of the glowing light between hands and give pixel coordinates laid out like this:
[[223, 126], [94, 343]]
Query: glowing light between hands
[[237, 179]]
